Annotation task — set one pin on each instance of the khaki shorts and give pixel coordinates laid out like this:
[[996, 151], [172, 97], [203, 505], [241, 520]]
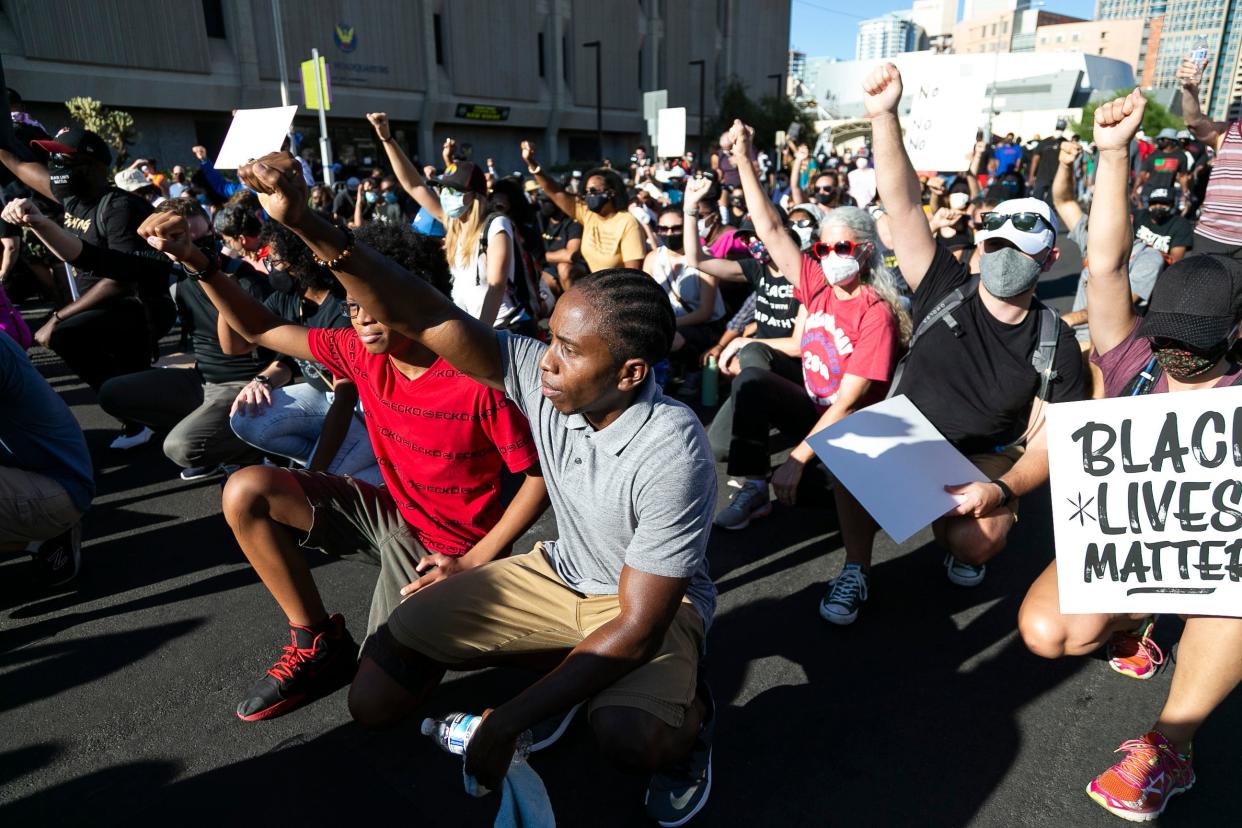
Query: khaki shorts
[[519, 605], [994, 464], [33, 507]]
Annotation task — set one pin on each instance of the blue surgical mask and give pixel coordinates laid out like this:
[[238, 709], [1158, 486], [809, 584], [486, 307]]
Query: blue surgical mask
[[452, 203], [390, 197], [371, 196]]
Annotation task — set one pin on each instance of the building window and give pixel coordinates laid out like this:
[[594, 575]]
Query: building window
[[213, 19], [1103, 35], [1100, 51], [1060, 38], [1074, 37], [993, 28], [565, 57], [438, 32], [1004, 27], [539, 50]]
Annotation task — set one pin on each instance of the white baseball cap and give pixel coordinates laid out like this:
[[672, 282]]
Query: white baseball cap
[[1029, 242]]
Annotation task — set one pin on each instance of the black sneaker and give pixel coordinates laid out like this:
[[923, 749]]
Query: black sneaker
[[58, 560], [312, 665], [676, 794]]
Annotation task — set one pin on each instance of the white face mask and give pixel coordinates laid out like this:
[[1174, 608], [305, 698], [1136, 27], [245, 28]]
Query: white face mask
[[705, 227], [839, 269]]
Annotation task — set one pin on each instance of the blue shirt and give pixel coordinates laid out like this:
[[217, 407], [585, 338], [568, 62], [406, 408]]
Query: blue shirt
[[427, 224], [37, 431], [1007, 156]]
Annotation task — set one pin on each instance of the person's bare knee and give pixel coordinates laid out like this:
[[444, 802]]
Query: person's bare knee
[[1042, 629], [376, 699], [264, 491], [976, 541], [631, 738]]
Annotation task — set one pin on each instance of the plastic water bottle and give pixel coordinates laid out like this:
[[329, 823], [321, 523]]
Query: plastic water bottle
[[711, 383], [454, 732], [1199, 54]]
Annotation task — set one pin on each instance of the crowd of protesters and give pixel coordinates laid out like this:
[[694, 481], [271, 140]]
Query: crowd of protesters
[[371, 362]]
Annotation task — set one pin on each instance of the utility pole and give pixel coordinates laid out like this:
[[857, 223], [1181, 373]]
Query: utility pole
[[599, 97], [702, 64], [325, 146]]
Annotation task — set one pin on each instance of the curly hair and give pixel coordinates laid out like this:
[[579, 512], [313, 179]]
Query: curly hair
[[421, 255], [636, 318], [287, 247], [235, 220]]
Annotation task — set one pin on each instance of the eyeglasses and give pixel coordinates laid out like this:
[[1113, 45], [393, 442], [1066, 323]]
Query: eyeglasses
[[1026, 222], [845, 247], [826, 189], [669, 229], [806, 223], [349, 310], [597, 192]]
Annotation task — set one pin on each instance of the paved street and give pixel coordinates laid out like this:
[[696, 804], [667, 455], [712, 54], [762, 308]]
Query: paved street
[[117, 696]]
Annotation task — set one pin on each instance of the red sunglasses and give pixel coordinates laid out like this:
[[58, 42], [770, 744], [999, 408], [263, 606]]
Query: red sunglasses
[[845, 247]]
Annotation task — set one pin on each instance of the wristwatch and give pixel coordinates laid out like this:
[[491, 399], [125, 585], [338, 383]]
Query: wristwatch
[[262, 380], [1005, 491]]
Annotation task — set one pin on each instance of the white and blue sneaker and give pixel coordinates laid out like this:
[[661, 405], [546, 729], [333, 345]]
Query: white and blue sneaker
[[846, 593], [963, 574]]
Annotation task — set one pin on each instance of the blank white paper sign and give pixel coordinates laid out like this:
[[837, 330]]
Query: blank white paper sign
[[253, 134], [671, 132], [895, 462]]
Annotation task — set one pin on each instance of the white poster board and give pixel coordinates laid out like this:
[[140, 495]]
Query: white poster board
[[1147, 503], [895, 462], [253, 134], [671, 133], [946, 107]]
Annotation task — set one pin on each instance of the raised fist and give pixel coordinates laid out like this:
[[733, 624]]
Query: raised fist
[[1069, 152], [277, 178], [882, 90], [168, 233], [1117, 121], [528, 155], [199, 152], [21, 211], [379, 120], [742, 137]]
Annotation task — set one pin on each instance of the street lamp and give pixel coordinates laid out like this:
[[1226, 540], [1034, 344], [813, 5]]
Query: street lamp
[[702, 64], [599, 99]]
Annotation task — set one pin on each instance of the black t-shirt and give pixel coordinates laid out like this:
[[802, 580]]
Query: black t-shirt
[[295, 309], [1163, 167], [1049, 153], [110, 222], [977, 389], [776, 309], [199, 316], [558, 234], [1174, 231]]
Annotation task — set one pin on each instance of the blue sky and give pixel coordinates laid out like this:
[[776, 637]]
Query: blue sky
[[826, 28]]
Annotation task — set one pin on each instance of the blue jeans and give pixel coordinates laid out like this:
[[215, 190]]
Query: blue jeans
[[291, 426]]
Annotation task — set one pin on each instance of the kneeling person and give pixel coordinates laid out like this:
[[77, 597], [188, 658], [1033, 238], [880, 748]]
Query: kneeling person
[[440, 439]]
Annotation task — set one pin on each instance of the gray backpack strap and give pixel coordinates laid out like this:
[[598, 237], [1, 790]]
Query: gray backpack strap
[[1044, 359], [943, 310]]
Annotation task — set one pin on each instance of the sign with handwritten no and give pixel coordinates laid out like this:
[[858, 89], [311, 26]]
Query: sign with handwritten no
[[1147, 503], [946, 110]]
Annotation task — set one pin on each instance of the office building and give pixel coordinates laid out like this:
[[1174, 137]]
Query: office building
[[1120, 39], [935, 17], [895, 33], [489, 72], [1006, 31]]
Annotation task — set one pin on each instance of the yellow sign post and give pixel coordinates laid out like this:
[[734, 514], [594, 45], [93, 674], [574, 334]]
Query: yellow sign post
[[311, 85]]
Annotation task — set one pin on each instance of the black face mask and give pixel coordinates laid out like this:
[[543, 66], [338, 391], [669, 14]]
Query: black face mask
[[595, 202], [675, 241], [72, 181], [549, 210], [1160, 214], [282, 282]]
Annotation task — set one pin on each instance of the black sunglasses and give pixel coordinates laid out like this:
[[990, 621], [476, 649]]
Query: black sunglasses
[[1027, 222], [669, 229]]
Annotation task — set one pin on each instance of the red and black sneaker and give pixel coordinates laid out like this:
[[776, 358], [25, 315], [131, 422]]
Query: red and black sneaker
[[313, 665]]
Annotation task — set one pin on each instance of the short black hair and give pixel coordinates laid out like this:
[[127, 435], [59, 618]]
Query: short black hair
[[613, 181], [636, 317], [671, 208], [421, 255], [286, 246], [235, 220]]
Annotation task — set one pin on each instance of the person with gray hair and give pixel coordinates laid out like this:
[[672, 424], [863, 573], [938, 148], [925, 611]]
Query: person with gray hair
[[848, 334]]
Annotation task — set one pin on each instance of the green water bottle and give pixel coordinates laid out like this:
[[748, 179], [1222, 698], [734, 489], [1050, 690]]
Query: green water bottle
[[711, 381]]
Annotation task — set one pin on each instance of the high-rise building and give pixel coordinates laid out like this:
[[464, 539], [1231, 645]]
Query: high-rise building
[[1151, 12], [936, 17], [892, 34], [987, 8], [1120, 39]]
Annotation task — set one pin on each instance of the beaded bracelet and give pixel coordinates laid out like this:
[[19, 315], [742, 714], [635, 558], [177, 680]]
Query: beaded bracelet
[[346, 252]]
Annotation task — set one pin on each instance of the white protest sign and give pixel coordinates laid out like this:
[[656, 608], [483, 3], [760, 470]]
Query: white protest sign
[[671, 133], [895, 462], [1147, 503], [945, 113], [253, 134]]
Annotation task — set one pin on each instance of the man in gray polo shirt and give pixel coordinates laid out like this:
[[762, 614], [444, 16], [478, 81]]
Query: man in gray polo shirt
[[620, 604]]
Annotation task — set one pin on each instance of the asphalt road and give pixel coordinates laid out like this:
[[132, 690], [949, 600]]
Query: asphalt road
[[117, 695]]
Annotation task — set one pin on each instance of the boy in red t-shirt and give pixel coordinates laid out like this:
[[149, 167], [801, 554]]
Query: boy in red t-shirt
[[441, 440]]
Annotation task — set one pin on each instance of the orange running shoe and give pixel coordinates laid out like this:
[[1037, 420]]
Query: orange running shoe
[[1140, 786], [1134, 654]]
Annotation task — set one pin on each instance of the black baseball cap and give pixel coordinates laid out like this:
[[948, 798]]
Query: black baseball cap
[[1160, 195], [463, 176], [78, 141], [1196, 301]]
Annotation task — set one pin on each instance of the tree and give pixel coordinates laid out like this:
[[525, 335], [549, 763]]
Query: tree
[[1155, 118], [770, 115], [115, 127]]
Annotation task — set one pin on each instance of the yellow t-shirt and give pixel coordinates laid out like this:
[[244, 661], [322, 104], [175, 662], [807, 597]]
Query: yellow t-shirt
[[609, 242]]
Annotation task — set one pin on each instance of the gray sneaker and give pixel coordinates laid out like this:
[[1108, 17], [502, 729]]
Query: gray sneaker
[[845, 595], [675, 795], [748, 503]]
